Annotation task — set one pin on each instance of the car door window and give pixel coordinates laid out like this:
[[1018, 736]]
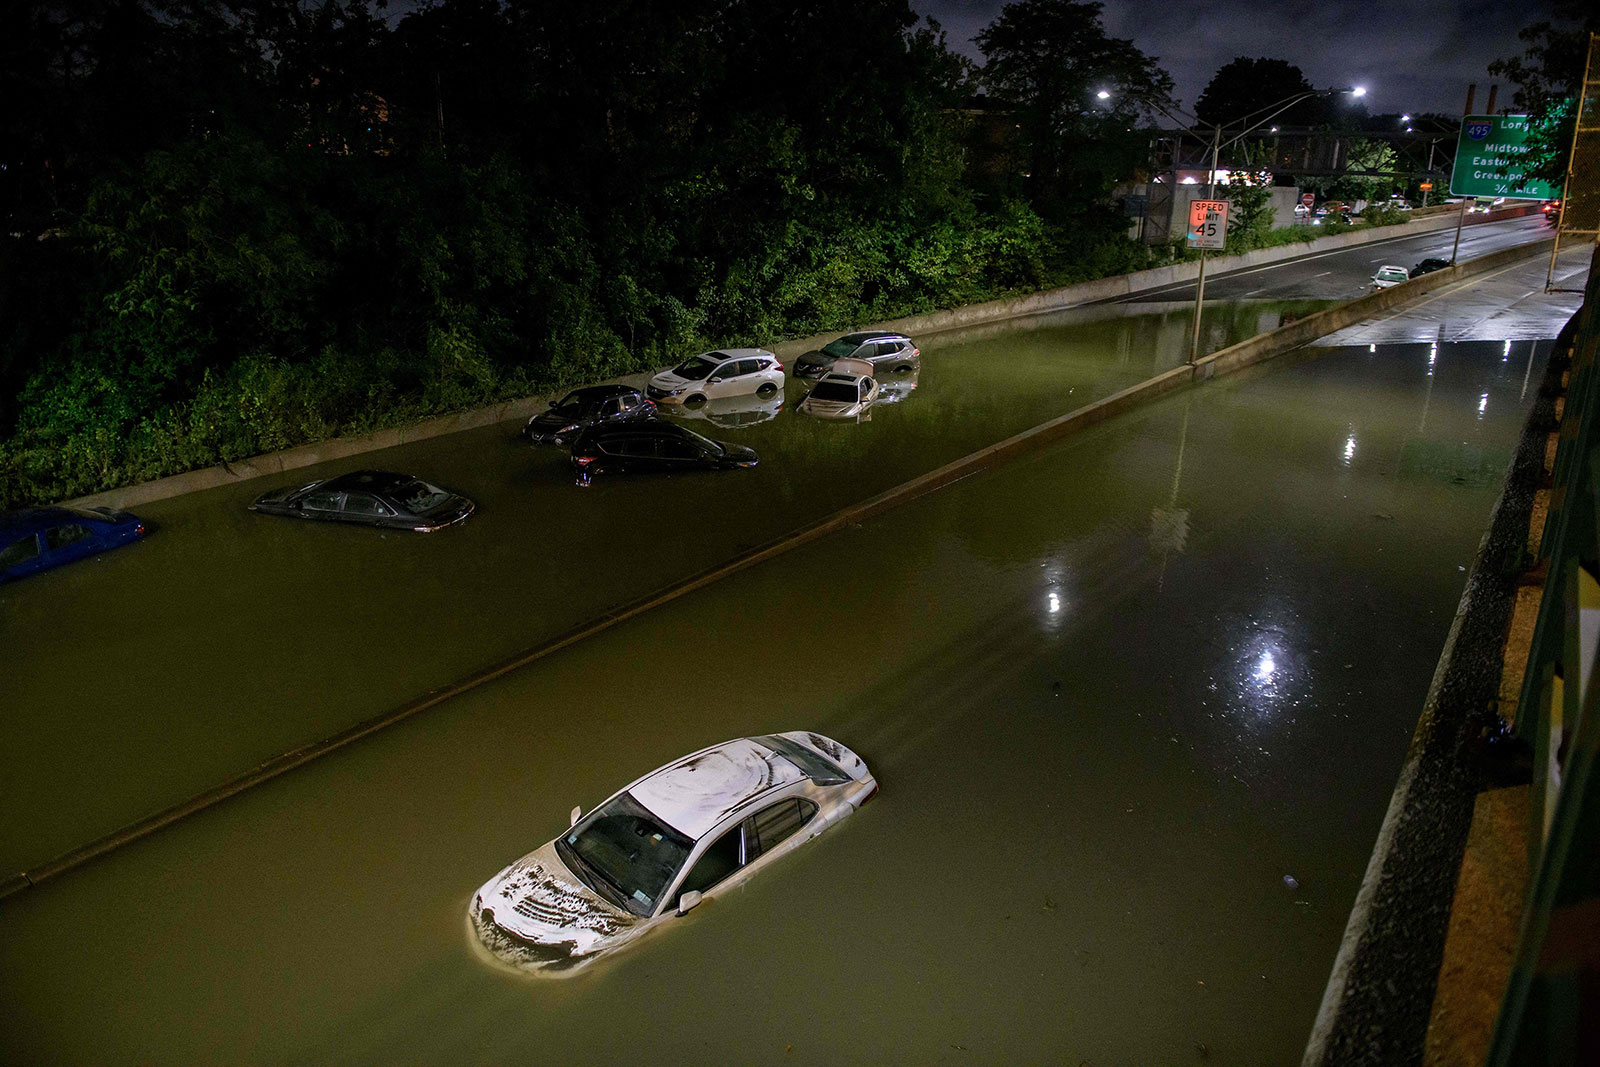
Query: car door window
[[62, 536], [636, 447], [888, 348], [365, 504], [611, 409], [728, 370], [722, 858], [750, 366], [680, 450], [323, 500], [19, 551], [771, 826], [628, 403], [866, 387]]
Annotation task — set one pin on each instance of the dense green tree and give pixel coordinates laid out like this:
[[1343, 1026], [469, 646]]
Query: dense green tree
[[1548, 76], [1050, 59], [1249, 87], [239, 225]]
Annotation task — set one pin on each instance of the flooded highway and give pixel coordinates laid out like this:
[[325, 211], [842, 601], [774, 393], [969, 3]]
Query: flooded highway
[[227, 637], [1136, 705]]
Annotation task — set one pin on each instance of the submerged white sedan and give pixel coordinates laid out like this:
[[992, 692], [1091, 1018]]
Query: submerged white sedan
[[1390, 275], [680, 835]]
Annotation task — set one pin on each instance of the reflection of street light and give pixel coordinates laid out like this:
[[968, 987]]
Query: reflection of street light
[[1102, 95]]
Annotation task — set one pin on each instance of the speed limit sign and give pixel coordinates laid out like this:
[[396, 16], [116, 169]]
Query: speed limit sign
[[1208, 223]]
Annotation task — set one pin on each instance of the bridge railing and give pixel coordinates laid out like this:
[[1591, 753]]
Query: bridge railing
[[1548, 1015]]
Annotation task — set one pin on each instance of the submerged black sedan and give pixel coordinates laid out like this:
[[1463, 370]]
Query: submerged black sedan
[[582, 408], [656, 445], [371, 498]]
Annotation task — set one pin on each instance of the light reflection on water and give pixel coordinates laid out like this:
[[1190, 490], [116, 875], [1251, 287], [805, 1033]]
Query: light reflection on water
[[1103, 798]]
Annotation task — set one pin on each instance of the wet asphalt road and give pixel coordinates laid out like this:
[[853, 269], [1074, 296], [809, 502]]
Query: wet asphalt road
[[1114, 694], [1347, 273]]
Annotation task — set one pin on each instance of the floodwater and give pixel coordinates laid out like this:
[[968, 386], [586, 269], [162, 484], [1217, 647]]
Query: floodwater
[[1114, 694], [227, 637]]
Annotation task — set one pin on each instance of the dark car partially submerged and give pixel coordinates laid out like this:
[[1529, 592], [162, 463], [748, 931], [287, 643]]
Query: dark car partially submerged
[[37, 539], [370, 498], [583, 408], [660, 446], [1428, 266], [892, 352]]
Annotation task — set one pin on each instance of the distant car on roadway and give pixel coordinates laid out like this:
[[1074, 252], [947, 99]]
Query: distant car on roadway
[[583, 408], [729, 372], [1552, 211], [884, 350], [1428, 266], [370, 498], [846, 392], [657, 446], [1389, 275], [38, 539], [683, 834]]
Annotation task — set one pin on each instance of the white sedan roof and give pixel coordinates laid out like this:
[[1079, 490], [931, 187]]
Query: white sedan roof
[[739, 353], [695, 793]]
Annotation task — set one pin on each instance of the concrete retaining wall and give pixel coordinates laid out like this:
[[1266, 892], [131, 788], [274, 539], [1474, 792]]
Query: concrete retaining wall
[[274, 463]]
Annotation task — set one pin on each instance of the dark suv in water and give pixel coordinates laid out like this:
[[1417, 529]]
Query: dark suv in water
[[653, 446], [583, 408], [884, 350]]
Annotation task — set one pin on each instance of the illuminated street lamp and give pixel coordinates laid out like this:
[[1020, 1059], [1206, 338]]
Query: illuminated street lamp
[[1267, 114]]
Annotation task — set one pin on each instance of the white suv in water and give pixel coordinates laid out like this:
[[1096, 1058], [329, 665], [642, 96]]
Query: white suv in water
[[729, 372], [685, 833]]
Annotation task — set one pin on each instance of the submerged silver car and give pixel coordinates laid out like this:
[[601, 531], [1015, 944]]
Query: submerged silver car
[[680, 835]]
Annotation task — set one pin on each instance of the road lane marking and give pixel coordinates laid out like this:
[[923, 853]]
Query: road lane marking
[[1503, 227]]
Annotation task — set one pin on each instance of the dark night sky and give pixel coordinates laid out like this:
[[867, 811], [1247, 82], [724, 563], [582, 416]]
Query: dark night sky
[[1412, 55]]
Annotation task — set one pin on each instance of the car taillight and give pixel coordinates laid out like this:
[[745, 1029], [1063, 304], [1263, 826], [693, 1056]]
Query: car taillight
[[915, 351], [138, 528], [868, 797], [582, 461], [777, 366], [652, 404]]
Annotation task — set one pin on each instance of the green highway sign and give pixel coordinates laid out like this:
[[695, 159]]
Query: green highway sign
[[1492, 160]]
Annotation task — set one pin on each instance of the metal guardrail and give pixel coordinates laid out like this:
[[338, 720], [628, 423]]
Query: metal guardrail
[[1551, 1010]]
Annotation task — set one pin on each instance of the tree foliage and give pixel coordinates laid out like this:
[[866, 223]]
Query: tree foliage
[[237, 225], [1248, 87], [1050, 59], [1548, 76]]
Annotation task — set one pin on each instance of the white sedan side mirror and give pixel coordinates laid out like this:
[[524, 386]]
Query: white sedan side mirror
[[577, 813], [688, 900]]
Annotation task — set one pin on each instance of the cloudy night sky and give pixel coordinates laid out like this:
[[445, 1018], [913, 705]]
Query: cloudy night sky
[[1412, 55]]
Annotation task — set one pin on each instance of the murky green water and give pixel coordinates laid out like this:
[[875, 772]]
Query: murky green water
[[1113, 694], [227, 637]]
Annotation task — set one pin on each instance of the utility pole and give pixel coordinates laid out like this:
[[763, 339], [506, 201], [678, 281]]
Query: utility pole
[[1200, 279]]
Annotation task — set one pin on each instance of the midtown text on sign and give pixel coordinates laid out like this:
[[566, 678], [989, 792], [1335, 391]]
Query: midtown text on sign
[[1492, 158], [1208, 223]]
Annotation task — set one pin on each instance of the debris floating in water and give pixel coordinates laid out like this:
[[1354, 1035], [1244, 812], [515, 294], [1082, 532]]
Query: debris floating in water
[[1290, 881]]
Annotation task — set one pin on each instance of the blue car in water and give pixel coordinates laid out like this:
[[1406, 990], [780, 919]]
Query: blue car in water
[[36, 539]]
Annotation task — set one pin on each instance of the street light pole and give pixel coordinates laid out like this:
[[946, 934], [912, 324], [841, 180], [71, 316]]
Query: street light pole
[[1200, 279], [1211, 183]]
